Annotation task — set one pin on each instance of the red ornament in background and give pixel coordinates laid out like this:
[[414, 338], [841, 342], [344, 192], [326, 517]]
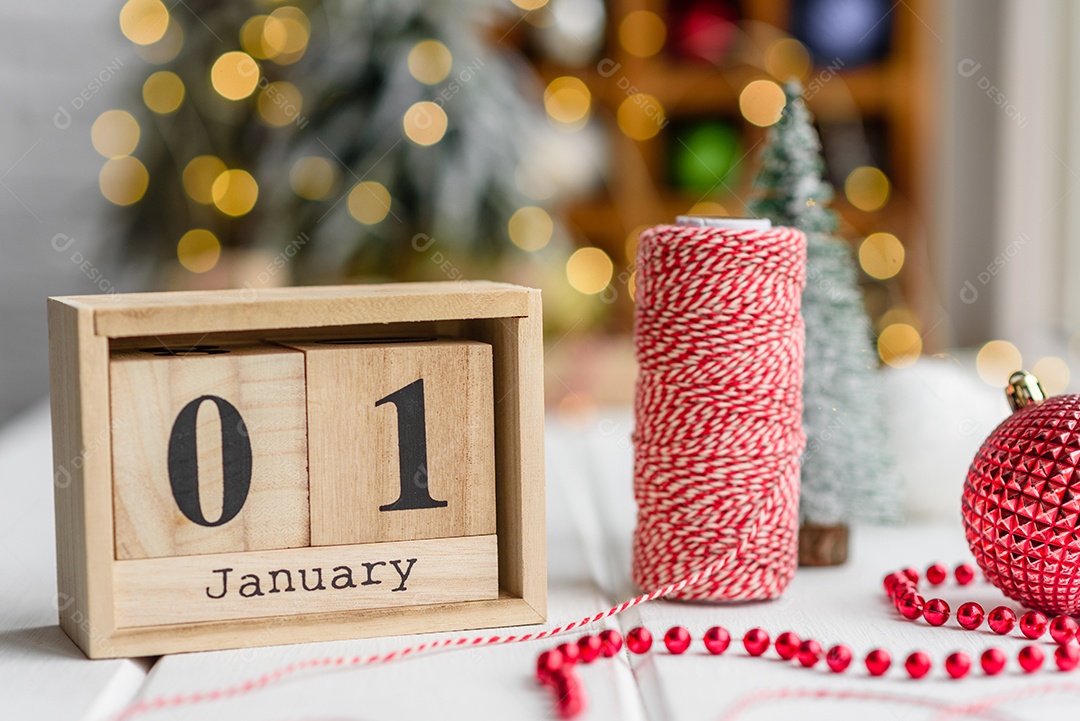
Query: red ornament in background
[[1021, 504]]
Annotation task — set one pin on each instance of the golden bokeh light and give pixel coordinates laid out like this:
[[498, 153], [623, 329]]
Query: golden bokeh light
[[144, 21], [166, 49], [1053, 373], [424, 123], [996, 361], [115, 134], [881, 255], [163, 92], [567, 100], [787, 58], [710, 208], [867, 188], [642, 33], [199, 176], [641, 116], [313, 177], [235, 75], [198, 250], [369, 202], [899, 314], [761, 102], [530, 228], [630, 245], [631, 286], [251, 37], [280, 103], [528, 5], [430, 62], [123, 181], [899, 345], [286, 33], [589, 270], [235, 192]]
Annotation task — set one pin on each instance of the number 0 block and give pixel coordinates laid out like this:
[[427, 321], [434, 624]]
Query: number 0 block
[[209, 447], [401, 440]]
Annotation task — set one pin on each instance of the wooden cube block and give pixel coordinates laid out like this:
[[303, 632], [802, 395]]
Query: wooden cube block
[[401, 440], [209, 450]]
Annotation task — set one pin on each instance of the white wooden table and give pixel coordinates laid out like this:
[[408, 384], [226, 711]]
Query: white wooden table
[[590, 519]]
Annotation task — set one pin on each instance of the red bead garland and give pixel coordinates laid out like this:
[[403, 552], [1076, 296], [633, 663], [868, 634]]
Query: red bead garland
[[917, 664], [717, 640], [787, 645], [756, 642], [639, 640], [555, 668], [838, 658], [677, 640]]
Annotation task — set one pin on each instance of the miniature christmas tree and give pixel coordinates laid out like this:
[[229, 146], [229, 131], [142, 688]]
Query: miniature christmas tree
[[847, 474]]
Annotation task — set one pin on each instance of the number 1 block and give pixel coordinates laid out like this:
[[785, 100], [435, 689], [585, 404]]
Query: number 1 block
[[209, 447], [400, 440]]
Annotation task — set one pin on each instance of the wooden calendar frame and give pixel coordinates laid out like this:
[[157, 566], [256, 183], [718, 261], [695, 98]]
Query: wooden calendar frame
[[84, 329]]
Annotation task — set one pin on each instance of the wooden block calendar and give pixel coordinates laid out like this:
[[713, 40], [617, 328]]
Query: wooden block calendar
[[257, 467]]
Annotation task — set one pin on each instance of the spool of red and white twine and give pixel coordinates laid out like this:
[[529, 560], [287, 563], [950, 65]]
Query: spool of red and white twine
[[718, 408]]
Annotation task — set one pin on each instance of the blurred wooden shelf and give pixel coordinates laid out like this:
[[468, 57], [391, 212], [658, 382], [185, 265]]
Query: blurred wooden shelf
[[894, 92]]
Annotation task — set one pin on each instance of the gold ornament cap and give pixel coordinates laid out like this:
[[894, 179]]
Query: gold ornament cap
[[1024, 390]]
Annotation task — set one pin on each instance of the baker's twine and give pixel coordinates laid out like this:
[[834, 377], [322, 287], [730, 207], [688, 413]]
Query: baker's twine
[[718, 410]]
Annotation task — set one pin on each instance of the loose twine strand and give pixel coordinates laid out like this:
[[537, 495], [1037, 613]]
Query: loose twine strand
[[718, 434]]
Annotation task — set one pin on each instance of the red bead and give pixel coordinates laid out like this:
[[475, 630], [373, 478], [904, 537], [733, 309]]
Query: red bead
[[937, 574], [838, 658], [589, 648], [970, 615], [612, 642], [1063, 629], [1033, 624], [878, 661], [889, 583], [964, 573], [1001, 620], [547, 664], [957, 664], [911, 606], [1067, 657], [992, 661], [756, 642], [570, 653], [936, 612], [809, 653], [717, 640], [912, 574], [639, 640], [787, 645], [677, 640], [917, 664], [1031, 658], [569, 693]]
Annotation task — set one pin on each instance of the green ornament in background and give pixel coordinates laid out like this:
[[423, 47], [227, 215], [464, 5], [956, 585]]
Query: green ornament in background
[[706, 155]]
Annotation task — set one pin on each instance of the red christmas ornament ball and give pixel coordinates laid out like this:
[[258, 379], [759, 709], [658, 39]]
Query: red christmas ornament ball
[[1021, 502], [917, 664]]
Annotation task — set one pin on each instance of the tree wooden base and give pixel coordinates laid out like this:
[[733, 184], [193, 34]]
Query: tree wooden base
[[822, 545]]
